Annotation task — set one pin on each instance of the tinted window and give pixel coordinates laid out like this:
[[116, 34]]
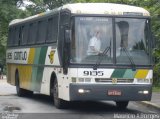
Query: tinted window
[[10, 37], [17, 38], [32, 33], [42, 25], [13, 42], [52, 29], [24, 36]]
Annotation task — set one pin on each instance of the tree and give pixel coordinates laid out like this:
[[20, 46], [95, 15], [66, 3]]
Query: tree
[[44, 5], [8, 12]]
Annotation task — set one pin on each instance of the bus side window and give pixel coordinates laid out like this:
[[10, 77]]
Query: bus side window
[[24, 35], [9, 37], [32, 33], [17, 37], [41, 32], [52, 29], [49, 30], [13, 43], [55, 28]]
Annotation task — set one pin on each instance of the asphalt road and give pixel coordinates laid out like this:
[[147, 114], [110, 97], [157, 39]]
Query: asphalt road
[[41, 107]]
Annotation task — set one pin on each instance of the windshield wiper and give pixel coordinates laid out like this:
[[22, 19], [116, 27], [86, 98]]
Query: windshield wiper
[[130, 58], [100, 57]]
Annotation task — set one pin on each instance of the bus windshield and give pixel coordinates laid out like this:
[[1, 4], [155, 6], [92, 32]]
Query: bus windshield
[[133, 35], [92, 35]]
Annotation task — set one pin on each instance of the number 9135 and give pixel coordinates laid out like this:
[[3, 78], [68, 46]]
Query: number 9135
[[93, 73]]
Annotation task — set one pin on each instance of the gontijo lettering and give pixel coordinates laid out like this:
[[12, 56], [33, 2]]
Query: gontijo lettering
[[19, 55]]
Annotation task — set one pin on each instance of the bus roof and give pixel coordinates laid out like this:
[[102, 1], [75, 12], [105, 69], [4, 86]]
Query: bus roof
[[105, 8], [94, 8]]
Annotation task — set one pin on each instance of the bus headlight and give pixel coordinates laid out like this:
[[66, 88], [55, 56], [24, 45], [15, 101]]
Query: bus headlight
[[81, 91], [143, 81], [145, 92]]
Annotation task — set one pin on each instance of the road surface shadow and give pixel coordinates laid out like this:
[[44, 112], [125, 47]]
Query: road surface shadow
[[85, 106]]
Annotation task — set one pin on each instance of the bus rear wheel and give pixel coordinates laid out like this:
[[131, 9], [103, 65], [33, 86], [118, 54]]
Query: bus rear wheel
[[122, 104], [59, 103], [21, 92]]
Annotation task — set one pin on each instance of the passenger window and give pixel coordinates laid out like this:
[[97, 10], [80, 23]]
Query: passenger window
[[52, 29], [42, 25], [32, 33]]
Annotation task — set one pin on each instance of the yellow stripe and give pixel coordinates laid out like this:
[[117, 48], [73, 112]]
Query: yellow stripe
[[141, 74], [31, 56], [25, 72]]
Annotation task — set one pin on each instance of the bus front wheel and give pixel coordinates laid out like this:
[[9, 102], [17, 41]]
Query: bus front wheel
[[59, 103], [122, 104]]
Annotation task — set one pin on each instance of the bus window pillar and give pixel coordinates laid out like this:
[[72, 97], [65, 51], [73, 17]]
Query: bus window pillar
[[66, 50]]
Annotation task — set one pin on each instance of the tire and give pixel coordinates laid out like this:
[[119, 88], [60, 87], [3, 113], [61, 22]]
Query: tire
[[21, 92], [59, 103], [122, 104]]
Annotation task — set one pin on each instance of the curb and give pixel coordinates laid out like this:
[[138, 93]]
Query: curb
[[8, 94], [150, 104]]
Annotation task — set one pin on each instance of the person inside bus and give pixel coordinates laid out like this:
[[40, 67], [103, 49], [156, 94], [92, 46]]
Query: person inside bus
[[94, 46]]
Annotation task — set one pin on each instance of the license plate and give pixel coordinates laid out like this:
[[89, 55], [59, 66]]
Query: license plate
[[114, 93]]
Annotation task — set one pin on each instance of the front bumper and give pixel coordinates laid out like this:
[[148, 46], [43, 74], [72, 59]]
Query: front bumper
[[129, 92]]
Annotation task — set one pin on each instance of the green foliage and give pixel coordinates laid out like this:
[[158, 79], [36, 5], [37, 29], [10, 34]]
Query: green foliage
[[156, 88], [154, 8], [8, 12], [44, 5]]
